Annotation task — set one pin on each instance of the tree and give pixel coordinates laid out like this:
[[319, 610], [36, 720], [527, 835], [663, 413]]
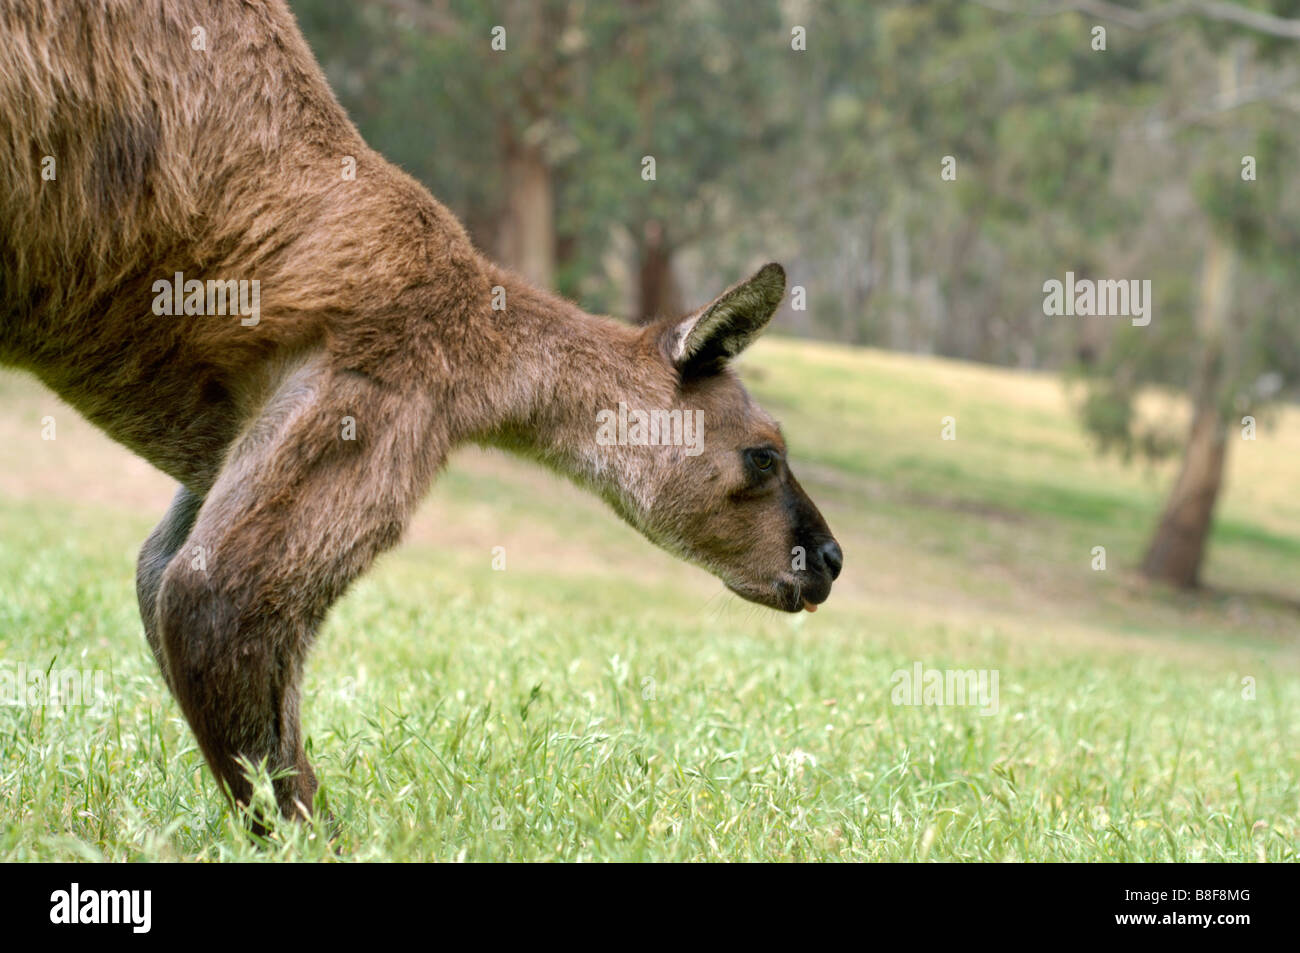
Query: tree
[[1233, 157], [680, 122]]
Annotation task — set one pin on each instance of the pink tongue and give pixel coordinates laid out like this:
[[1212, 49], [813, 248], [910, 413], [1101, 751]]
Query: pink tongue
[[809, 606]]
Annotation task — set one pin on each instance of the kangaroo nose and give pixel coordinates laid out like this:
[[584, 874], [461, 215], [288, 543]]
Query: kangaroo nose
[[833, 557]]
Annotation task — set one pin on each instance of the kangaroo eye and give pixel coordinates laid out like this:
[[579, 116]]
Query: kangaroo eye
[[762, 459]]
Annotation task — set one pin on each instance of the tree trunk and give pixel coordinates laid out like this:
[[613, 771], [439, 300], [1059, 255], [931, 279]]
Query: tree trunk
[[1178, 547], [526, 239], [900, 286], [658, 294]]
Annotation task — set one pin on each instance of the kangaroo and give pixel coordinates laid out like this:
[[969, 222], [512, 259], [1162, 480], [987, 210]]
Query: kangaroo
[[153, 149]]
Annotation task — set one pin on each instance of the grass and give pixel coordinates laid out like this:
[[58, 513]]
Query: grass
[[599, 701]]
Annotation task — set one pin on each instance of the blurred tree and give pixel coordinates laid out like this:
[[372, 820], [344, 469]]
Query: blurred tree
[[693, 89], [1249, 222], [1218, 103]]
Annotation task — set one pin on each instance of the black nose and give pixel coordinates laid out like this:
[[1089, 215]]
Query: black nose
[[832, 557]]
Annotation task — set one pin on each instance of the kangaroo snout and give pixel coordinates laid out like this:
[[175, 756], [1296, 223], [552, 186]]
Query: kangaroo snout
[[832, 558], [813, 585]]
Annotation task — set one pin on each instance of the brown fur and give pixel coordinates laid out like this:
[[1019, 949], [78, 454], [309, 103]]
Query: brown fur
[[374, 305]]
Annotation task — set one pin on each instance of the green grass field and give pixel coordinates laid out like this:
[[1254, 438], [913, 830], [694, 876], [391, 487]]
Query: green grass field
[[596, 700]]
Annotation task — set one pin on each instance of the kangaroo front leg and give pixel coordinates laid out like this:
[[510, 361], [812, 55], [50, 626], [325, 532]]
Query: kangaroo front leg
[[163, 544], [322, 481]]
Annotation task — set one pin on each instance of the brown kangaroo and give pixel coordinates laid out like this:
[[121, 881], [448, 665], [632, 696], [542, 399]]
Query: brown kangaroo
[[154, 154]]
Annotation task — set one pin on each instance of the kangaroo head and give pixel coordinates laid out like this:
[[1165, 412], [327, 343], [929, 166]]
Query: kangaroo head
[[724, 496]]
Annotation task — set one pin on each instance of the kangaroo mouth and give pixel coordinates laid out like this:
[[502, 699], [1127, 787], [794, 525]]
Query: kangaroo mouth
[[785, 595]]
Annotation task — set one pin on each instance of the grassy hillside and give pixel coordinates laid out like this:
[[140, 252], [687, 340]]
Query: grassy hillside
[[597, 700]]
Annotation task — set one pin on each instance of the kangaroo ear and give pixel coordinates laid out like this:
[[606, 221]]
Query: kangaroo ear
[[705, 340]]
